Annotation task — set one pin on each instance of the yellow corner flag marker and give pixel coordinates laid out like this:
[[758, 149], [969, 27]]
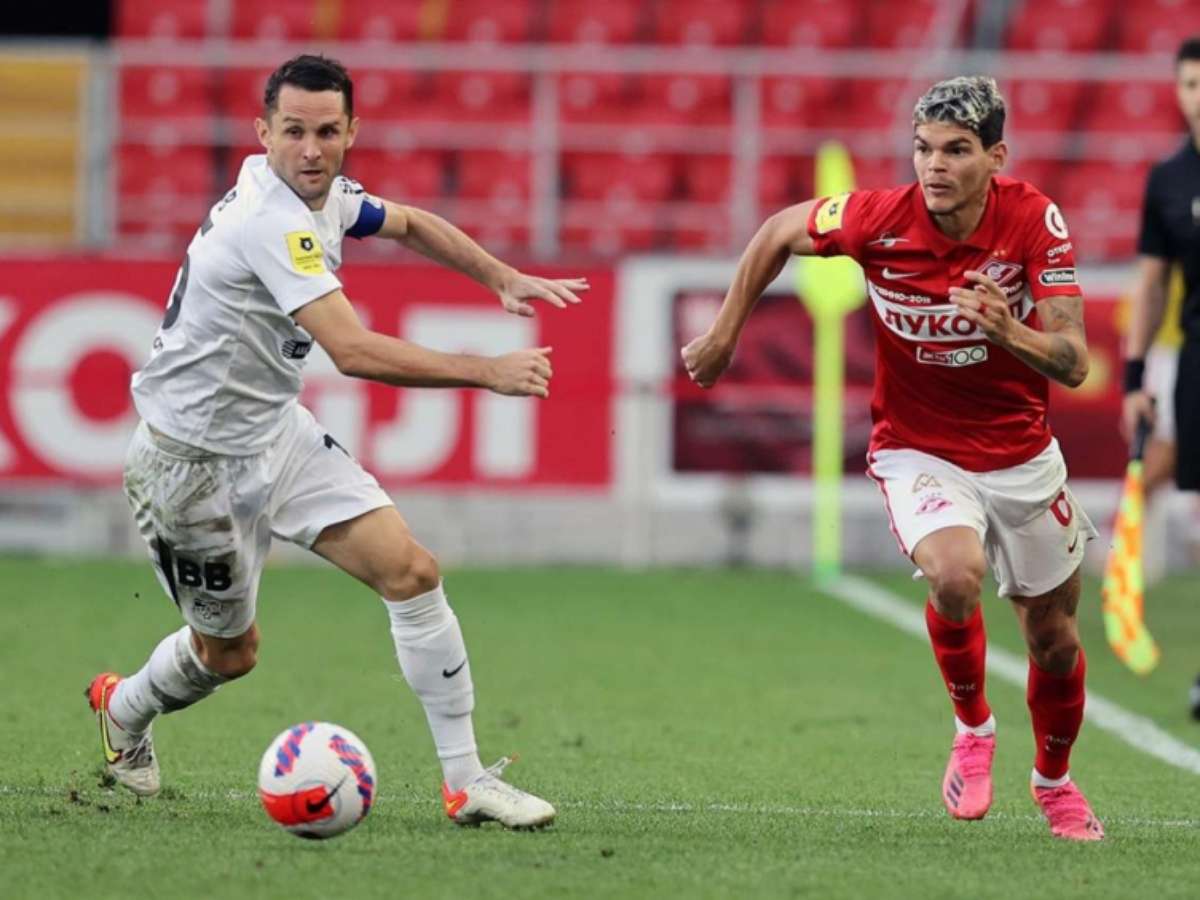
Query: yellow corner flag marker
[[1124, 589], [830, 289]]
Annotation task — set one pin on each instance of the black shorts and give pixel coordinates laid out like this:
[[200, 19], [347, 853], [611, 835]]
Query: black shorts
[[1187, 417]]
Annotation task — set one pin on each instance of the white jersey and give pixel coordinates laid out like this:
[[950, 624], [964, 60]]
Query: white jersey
[[226, 362]]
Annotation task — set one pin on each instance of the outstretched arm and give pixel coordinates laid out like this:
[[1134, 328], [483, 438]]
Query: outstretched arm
[[361, 353], [1058, 350], [782, 235], [434, 237]]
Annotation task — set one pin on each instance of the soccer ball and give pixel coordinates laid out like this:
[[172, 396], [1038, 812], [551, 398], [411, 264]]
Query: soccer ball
[[317, 780]]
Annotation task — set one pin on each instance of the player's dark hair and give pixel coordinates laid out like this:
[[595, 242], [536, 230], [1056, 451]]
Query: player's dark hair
[[1188, 50], [972, 102], [310, 73]]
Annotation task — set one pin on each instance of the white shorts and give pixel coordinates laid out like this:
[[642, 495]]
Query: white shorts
[[1033, 530], [208, 519], [1162, 364]]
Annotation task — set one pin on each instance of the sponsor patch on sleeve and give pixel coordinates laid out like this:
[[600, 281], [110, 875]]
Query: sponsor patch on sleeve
[[1056, 277], [829, 216], [308, 258]]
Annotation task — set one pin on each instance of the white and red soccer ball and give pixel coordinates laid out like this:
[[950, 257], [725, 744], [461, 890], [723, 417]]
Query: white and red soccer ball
[[317, 780]]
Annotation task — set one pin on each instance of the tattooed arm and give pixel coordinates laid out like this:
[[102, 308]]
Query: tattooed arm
[[1058, 350]]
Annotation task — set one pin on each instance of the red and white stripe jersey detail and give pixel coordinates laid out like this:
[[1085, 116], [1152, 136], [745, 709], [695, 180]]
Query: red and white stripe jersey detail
[[940, 386]]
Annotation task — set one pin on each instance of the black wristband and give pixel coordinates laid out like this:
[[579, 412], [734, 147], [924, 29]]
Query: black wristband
[[1135, 369]]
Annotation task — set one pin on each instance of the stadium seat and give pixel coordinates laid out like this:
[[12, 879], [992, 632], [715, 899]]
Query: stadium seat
[[866, 104], [282, 20], [899, 25], [401, 176], [593, 96], [242, 92], [817, 23], [610, 238], [1036, 105], [382, 94], [1158, 26], [708, 178], [680, 99], [1051, 26], [478, 96], [380, 21], [163, 188], [795, 101], [488, 21], [165, 91], [589, 22], [500, 178], [1043, 174], [617, 179], [702, 22], [1140, 106], [162, 19]]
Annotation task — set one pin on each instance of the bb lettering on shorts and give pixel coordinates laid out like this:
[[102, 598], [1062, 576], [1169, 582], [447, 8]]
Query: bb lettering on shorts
[[831, 213], [308, 257], [962, 356], [1053, 277]]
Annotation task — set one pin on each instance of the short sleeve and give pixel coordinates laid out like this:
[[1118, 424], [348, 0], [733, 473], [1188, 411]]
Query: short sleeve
[[837, 224], [1153, 239], [362, 214], [1049, 253], [286, 255]]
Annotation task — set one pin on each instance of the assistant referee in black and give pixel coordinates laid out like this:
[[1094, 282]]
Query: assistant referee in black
[[1170, 234]]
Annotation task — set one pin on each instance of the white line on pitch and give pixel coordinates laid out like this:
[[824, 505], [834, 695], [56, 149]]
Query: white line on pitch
[[1136, 731]]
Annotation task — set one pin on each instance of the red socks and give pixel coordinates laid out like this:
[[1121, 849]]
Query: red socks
[[1056, 707], [961, 652]]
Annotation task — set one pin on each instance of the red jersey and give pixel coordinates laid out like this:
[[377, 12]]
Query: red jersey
[[940, 386]]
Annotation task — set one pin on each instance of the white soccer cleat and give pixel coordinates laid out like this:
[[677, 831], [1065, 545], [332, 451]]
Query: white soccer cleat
[[129, 758], [488, 799]]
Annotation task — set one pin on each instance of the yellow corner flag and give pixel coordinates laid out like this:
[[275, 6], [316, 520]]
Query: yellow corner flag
[[1124, 589]]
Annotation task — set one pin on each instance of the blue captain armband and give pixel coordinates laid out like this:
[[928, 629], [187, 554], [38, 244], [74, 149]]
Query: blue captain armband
[[370, 218]]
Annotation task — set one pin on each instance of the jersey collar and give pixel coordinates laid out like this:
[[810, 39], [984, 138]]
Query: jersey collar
[[941, 244]]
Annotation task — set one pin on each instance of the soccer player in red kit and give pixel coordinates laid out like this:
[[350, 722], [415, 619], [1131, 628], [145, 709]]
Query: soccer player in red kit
[[971, 276]]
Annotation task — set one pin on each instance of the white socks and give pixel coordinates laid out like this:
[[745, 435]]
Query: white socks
[[171, 679], [433, 658], [1040, 780], [987, 729]]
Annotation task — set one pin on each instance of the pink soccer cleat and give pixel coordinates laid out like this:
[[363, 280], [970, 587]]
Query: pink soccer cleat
[[1068, 812], [967, 787]]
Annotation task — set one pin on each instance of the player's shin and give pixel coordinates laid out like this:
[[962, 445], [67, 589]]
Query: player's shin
[[173, 678], [433, 658], [961, 652], [1056, 708]]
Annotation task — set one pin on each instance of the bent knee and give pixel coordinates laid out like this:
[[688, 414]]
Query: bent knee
[[230, 657], [413, 573], [956, 586], [1055, 652]]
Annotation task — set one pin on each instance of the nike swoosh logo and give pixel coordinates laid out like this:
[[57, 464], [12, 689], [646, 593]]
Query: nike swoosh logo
[[110, 755], [452, 672], [888, 273], [887, 242], [319, 806], [1074, 544]]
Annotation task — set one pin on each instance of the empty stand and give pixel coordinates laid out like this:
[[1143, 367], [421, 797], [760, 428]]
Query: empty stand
[[1139, 106], [488, 21], [166, 20], [1054, 26], [703, 22], [1158, 26], [381, 21], [283, 20], [166, 91], [818, 23], [590, 22], [403, 176], [502, 179]]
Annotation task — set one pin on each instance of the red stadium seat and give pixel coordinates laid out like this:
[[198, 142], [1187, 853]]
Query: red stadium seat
[[1043, 174], [590, 96], [232, 162], [817, 23], [619, 180], [381, 94], [489, 21], [610, 238], [1052, 26], [780, 184], [899, 25], [1141, 107], [1158, 26], [500, 178], [709, 179], [795, 101], [165, 91], [478, 96], [702, 22], [867, 104], [1035, 105], [165, 19], [281, 20], [692, 99], [164, 189], [384, 21], [1101, 203], [589, 22], [243, 92], [399, 176]]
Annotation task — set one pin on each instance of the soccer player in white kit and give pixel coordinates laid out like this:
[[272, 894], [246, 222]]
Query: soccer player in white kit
[[225, 456]]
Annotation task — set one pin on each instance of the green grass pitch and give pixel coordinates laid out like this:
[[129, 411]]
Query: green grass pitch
[[704, 734]]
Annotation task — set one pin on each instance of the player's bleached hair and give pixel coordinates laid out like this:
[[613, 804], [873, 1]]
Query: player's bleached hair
[[972, 102]]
